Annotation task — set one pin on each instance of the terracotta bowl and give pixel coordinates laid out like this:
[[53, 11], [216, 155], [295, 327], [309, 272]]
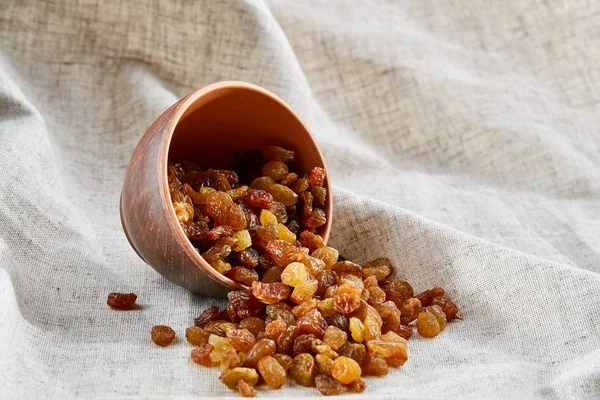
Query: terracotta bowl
[[206, 126]]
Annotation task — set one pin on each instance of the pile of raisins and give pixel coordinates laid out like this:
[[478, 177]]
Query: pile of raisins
[[307, 313], [323, 321], [238, 227]]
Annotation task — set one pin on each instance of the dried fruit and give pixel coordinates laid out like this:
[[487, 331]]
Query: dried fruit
[[294, 274], [201, 354], [284, 360], [357, 330], [206, 316], [334, 337], [231, 377], [221, 208], [427, 296], [241, 339], [258, 198], [324, 364], [312, 322], [301, 185], [303, 369], [325, 279], [320, 347], [262, 348], [409, 310], [347, 267], [230, 360], [270, 293], [375, 365], [448, 306], [283, 194], [345, 370], [276, 170], [245, 389], [254, 325], [327, 254], [285, 342], [304, 291], [319, 195], [219, 232], [358, 386], [284, 233], [247, 258], [272, 372], [220, 346], [439, 315], [356, 351], [316, 219], [196, 336], [283, 253], [302, 344], [276, 153], [274, 329], [311, 240], [381, 268], [262, 183], [273, 274], [242, 304], [302, 308], [243, 240], [329, 386], [317, 176], [162, 335], [280, 211], [289, 179], [427, 324], [340, 321], [326, 307], [121, 301], [242, 275], [398, 291]]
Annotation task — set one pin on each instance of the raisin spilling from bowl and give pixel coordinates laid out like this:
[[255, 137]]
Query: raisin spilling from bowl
[[308, 314]]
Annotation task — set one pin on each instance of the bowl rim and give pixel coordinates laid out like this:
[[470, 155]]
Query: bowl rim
[[162, 166]]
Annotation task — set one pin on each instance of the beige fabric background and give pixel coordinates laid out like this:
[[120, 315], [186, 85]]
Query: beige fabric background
[[463, 140]]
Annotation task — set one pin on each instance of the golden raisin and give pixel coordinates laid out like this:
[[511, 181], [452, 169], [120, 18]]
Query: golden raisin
[[345, 370], [272, 372], [427, 324], [357, 329], [334, 337], [241, 339], [231, 377], [303, 369], [245, 389], [284, 360], [162, 335], [196, 335], [201, 354]]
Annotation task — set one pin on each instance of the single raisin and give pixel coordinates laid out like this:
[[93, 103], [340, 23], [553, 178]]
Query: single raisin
[[272, 372], [219, 232], [238, 193], [356, 351], [243, 240], [201, 354], [311, 240], [326, 307], [358, 386], [329, 386], [410, 310], [243, 275], [275, 328], [258, 198], [390, 316], [241, 339], [325, 278], [245, 389], [262, 183], [357, 330], [284, 253], [327, 254], [317, 176], [448, 306], [162, 335], [270, 293], [271, 275], [206, 316], [381, 268], [283, 195], [347, 267], [302, 308], [302, 344], [304, 369], [242, 304], [230, 360], [427, 324], [316, 219], [294, 274], [262, 348], [345, 370], [314, 265], [427, 296], [398, 291], [340, 321], [304, 291], [231, 377], [319, 195], [276, 153], [121, 301], [439, 315], [254, 325], [334, 337], [289, 179], [196, 336], [276, 170], [324, 364], [312, 322], [284, 360], [247, 258], [301, 185], [375, 365], [306, 198], [285, 342]]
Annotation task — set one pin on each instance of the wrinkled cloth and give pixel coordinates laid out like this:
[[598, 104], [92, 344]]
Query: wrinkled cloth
[[462, 140]]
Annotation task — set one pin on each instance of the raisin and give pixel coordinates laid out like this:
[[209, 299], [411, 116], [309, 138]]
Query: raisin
[[347, 267], [317, 176], [275, 170], [427, 324], [356, 351], [243, 275], [294, 274], [258, 198], [230, 360], [294, 226], [281, 310], [302, 308], [280, 212], [285, 342], [326, 307], [206, 316], [162, 335], [302, 344], [272, 372], [375, 365], [312, 322], [216, 253], [284, 253], [324, 364], [319, 195], [242, 304], [283, 195], [398, 291], [303, 369], [276, 153], [221, 266], [197, 230], [340, 321], [243, 240], [306, 198], [311, 240], [231, 377], [316, 219], [304, 291], [427, 296], [329, 386], [219, 232], [196, 336], [327, 254], [238, 194], [390, 316], [314, 265], [284, 233], [325, 278], [247, 258], [262, 348], [404, 331], [358, 386], [270, 293], [262, 183], [121, 301], [184, 212], [266, 234], [275, 328], [271, 275], [301, 185], [221, 208], [241, 339], [383, 348], [334, 337], [284, 360], [289, 179], [330, 292], [345, 370], [381, 268], [448, 306], [357, 329], [219, 327], [345, 303], [410, 310], [372, 323], [254, 325], [201, 354], [245, 389], [439, 315]]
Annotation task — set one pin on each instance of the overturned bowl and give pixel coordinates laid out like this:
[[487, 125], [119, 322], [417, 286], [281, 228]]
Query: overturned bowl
[[207, 125]]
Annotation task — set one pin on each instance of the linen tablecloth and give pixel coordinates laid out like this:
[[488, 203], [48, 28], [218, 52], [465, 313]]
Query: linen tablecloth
[[463, 141]]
